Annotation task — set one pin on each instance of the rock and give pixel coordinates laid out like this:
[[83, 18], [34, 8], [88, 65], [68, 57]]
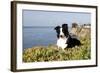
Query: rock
[[81, 31]]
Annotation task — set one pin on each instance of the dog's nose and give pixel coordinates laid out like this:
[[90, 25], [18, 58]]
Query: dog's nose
[[61, 36]]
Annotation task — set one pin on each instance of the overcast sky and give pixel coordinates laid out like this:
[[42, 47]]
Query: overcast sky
[[51, 18]]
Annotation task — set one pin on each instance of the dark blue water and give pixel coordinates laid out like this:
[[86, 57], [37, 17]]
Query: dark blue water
[[38, 36]]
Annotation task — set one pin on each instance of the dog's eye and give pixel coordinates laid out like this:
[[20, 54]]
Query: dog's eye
[[58, 31]]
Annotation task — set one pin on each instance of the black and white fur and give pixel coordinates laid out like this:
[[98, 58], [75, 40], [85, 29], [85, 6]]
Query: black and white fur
[[66, 40]]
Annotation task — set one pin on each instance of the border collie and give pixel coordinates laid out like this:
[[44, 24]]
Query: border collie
[[66, 40]]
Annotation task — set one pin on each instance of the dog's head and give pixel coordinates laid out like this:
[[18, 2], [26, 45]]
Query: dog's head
[[62, 31]]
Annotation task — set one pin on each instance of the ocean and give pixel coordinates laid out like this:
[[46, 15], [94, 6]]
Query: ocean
[[38, 36]]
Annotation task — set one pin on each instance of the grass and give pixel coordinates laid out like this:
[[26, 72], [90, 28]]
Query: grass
[[52, 53]]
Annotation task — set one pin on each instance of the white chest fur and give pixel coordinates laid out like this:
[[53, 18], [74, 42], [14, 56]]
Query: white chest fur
[[61, 43]]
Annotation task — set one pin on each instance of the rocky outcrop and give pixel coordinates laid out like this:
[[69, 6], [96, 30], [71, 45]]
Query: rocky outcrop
[[81, 31]]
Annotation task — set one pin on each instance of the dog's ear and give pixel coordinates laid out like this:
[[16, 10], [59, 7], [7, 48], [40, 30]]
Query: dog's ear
[[65, 26], [65, 29], [57, 27]]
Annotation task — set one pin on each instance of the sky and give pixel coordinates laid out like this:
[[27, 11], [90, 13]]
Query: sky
[[53, 18]]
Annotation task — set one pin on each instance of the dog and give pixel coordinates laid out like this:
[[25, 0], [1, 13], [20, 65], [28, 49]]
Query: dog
[[65, 39]]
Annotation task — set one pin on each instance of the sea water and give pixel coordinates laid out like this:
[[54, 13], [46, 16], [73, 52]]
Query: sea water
[[38, 36]]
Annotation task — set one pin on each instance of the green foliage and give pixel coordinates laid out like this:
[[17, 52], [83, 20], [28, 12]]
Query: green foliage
[[52, 53]]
